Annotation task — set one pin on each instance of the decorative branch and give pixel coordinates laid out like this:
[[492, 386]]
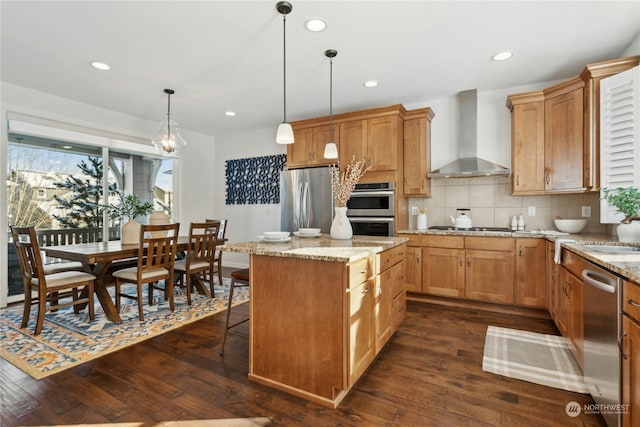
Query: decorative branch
[[344, 183]]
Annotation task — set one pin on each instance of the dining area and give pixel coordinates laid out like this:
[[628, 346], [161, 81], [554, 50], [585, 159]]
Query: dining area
[[161, 260]]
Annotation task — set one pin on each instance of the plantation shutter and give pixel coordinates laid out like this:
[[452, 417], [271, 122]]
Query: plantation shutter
[[619, 137]]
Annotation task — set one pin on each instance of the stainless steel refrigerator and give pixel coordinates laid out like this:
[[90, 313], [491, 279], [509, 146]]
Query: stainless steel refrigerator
[[306, 199]]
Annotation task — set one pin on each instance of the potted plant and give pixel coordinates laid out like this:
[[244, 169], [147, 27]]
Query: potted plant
[[342, 186], [627, 202], [130, 207]]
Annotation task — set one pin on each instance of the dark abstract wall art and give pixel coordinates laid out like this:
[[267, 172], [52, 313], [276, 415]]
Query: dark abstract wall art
[[255, 180]]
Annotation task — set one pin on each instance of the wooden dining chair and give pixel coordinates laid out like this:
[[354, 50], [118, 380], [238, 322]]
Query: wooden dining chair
[[222, 233], [49, 288], [199, 263], [156, 258]]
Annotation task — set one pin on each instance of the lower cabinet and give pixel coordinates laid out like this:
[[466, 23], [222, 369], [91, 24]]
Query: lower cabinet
[[361, 328], [413, 281], [530, 284], [631, 353], [552, 282], [569, 315]]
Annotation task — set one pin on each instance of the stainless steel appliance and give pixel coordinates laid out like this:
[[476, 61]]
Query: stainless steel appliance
[[602, 307], [371, 209], [306, 199]]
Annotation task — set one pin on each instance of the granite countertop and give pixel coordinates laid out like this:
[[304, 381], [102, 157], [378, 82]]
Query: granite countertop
[[321, 248], [626, 265]]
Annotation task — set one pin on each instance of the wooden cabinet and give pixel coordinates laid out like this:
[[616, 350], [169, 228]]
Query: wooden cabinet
[[414, 269], [563, 137], [527, 143], [361, 329], [389, 296], [631, 353], [552, 280], [478, 268], [569, 318], [417, 153], [530, 283], [490, 267], [547, 141], [376, 140], [308, 148]]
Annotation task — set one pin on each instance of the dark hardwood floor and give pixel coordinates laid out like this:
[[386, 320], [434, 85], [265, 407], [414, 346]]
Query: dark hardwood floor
[[429, 374]]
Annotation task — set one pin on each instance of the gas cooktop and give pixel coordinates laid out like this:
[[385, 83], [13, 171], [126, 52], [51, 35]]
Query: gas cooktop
[[452, 228]]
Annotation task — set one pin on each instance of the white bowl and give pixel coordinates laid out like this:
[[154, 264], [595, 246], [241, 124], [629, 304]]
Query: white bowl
[[309, 231], [570, 225], [276, 235]]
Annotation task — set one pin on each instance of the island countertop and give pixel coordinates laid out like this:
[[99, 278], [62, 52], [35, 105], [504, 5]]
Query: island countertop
[[322, 248]]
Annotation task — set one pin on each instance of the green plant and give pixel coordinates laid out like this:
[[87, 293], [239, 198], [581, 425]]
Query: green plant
[[130, 206], [626, 200]]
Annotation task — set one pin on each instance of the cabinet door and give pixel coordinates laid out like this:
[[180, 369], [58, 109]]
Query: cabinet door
[[299, 154], [443, 272], [361, 329], [382, 313], [527, 148], [353, 141], [575, 325], [630, 371], [562, 307], [552, 281], [489, 276], [414, 269], [321, 136], [382, 143], [415, 157], [564, 144], [530, 272]]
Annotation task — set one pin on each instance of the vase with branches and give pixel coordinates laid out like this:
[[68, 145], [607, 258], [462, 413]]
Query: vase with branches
[[129, 207], [342, 184]]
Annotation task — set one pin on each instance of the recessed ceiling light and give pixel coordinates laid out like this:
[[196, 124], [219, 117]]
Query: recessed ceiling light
[[315, 25], [66, 147], [100, 65], [370, 83], [230, 113], [501, 56]]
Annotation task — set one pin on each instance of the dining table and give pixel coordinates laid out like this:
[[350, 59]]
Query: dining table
[[98, 258]]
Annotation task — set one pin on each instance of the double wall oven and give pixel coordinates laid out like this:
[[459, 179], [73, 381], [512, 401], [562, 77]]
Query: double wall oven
[[371, 209]]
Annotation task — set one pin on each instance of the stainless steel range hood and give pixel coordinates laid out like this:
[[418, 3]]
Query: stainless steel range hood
[[468, 164]]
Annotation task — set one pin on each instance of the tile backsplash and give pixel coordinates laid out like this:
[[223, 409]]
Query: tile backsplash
[[492, 204]]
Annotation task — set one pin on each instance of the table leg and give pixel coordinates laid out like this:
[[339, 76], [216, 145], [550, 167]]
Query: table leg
[[108, 306]]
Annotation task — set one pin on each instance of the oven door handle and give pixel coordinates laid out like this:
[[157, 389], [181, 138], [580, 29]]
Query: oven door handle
[[599, 281], [372, 193], [370, 219]]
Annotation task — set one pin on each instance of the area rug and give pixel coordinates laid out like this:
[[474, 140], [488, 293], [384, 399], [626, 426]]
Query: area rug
[[537, 358], [69, 339]]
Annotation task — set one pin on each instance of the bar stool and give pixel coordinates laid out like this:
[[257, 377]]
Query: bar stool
[[238, 278]]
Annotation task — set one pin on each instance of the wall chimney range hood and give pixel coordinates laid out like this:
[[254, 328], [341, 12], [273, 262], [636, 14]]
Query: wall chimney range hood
[[468, 164]]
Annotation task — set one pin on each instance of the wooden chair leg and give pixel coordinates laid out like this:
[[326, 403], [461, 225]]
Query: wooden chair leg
[[139, 299], [42, 307], [26, 312], [226, 325], [168, 288], [188, 286], [219, 270], [117, 295], [92, 314]]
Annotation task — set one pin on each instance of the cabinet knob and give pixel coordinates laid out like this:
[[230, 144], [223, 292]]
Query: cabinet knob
[[518, 180], [468, 261], [633, 303], [547, 178], [460, 259]]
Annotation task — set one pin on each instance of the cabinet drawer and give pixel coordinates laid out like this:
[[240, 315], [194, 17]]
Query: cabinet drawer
[[398, 310], [390, 257], [454, 242], [490, 243], [573, 262], [414, 239], [398, 278], [631, 299], [360, 271]]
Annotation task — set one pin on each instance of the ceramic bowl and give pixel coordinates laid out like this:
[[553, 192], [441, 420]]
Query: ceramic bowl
[[572, 226], [309, 231], [276, 235]]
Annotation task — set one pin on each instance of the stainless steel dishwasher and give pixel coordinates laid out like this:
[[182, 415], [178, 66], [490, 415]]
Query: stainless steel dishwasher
[[602, 308]]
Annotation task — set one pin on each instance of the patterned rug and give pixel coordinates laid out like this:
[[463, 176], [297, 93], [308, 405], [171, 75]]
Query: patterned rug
[[68, 339], [537, 358]]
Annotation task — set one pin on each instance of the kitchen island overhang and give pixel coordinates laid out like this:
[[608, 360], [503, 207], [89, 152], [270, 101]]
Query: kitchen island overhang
[[320, 310]]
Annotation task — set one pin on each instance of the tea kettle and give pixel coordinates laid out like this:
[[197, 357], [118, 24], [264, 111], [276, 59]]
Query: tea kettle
[[463, 218]]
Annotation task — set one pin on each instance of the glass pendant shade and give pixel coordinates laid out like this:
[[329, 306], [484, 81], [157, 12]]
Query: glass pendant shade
[[285, 134], [331, 150], [168, 140]]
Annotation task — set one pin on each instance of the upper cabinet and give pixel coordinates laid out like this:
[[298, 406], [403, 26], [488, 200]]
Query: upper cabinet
[[555, 133], [308, 148], [417, 153]]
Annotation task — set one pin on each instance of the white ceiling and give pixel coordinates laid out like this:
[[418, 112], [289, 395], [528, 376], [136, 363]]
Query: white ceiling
[[227, 55]]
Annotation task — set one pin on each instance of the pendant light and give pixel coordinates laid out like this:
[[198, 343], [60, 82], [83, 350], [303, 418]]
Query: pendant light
[[168, 140], [330, 149], [285, 131]]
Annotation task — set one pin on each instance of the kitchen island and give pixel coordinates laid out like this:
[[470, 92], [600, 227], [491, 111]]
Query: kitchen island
[[320, 311]]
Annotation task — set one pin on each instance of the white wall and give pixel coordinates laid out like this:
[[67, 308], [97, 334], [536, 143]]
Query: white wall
[[245, 221]]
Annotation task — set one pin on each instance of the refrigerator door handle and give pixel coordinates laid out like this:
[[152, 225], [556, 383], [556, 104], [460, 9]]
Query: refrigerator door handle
[[306, 206]]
